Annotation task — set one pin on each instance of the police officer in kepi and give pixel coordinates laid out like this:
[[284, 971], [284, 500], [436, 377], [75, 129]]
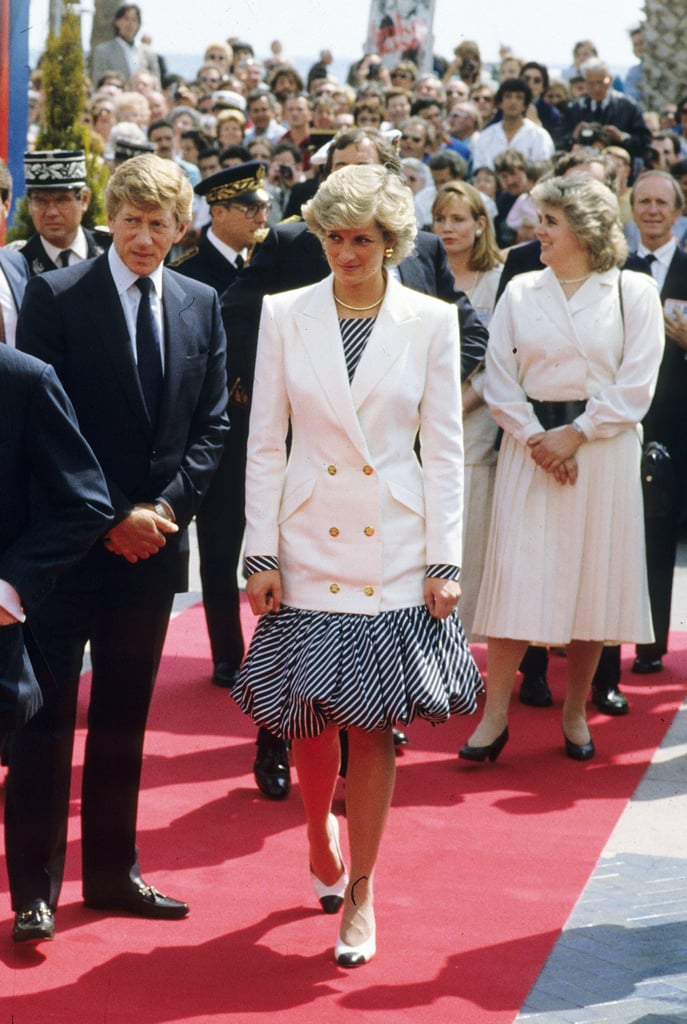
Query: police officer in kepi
[[239, 206]]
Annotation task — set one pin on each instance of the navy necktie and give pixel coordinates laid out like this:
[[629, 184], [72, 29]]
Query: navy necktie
[[148, 352], [63, 257]]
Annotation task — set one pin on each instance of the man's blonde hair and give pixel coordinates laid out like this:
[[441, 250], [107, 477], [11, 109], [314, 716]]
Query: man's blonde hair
[[146, 181]]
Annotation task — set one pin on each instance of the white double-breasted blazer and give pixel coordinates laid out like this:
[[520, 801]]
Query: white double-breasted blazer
[[352, 516]]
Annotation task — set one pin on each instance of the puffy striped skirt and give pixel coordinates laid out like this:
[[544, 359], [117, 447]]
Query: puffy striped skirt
[[305, 669]]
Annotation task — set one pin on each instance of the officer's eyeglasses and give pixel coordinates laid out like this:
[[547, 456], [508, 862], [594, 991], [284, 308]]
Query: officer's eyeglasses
[[251, 210]]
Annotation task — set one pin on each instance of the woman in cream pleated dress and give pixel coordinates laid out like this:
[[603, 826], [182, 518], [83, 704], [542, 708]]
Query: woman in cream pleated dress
[[565, 561]]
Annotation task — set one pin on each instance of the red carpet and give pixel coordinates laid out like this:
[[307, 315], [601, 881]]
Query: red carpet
[[479, 870]]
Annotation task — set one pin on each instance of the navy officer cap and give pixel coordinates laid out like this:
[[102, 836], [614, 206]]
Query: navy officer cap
[[243, 181]]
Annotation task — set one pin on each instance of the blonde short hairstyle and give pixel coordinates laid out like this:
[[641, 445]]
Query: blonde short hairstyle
[[593, 215], [360, 193], [229, 115], [146, 181]]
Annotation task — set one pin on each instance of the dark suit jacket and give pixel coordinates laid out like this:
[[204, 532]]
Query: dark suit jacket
[[526, 257], [620, 111], [206, 263], [73, 319], [291, 256], [41, 452], [666, 420], [38, 260], [14, 267], [301, 192], [40, 446]]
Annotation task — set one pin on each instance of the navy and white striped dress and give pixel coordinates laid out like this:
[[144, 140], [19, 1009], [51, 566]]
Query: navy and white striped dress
[[307, 668]]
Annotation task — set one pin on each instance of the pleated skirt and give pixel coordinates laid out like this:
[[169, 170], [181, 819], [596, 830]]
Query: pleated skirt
[[567, 562], [305, 669]]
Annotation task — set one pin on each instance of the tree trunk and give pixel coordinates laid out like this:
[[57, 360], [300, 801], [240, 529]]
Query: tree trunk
[[103, 16], [55, 15], [664, 77]]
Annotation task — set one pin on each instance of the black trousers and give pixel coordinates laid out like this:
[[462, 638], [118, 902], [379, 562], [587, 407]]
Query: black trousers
[[126, 629], [607, 675], [220, 524]]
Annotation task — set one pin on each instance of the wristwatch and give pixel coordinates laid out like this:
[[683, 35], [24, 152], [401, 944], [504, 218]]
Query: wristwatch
[[162, 511]]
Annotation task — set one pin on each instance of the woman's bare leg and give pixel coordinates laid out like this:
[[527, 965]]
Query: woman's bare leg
[[582, 659], [503, 657], [369, 789], [317, 762]]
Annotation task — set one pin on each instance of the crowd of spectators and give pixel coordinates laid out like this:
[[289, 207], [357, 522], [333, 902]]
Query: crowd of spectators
[[462, 121]]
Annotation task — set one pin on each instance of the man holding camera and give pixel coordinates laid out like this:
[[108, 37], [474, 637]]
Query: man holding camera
[[620, 115]]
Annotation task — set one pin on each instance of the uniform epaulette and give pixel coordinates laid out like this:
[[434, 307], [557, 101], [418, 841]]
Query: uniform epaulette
[[182, 259]]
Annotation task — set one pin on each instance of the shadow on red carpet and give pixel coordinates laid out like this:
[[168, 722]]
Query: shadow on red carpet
[[480, 868]]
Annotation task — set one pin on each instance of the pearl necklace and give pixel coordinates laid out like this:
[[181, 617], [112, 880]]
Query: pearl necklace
[[575, 280], [358, 309]]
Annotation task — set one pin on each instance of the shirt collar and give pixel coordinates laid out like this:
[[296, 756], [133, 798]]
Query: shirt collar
[[125, 278], [78, 246], [663, 254], [222, 247]]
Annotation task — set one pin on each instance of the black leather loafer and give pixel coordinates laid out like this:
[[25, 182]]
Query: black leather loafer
[[142, 901], [34, 922], [535, 692], [610, 702], [224, 675], [271, 771], [646, 666]]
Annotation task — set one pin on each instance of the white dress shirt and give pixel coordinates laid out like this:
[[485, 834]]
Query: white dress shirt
[[226, 250], [79, 249], [531, 140], [130, 297], [661, 262]]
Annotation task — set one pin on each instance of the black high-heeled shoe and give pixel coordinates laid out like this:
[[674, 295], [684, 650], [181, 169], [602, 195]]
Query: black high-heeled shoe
[[579, 751], [492, 751]]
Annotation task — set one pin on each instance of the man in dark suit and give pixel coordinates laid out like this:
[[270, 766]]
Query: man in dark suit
[[58, 198], [41, 452], [14, 272], [657, 202], [621, 116], [534, 688], [239, 206], [141, 354], [290, 256]]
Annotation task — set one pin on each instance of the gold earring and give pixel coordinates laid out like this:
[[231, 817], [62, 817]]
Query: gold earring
[[388, 253]]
